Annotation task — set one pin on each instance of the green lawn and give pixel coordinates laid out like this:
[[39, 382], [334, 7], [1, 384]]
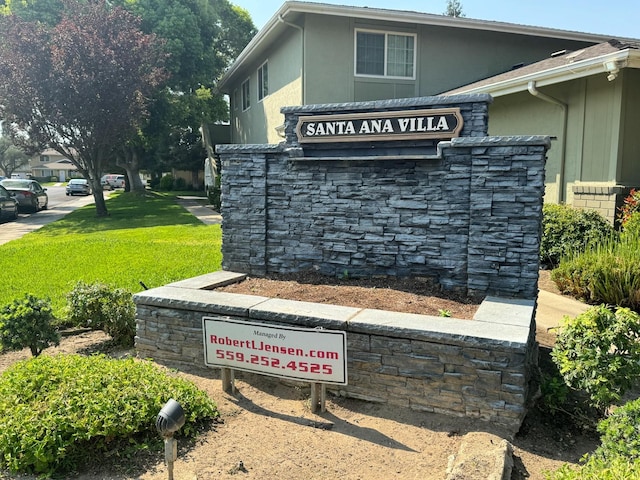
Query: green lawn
[[147, 239]]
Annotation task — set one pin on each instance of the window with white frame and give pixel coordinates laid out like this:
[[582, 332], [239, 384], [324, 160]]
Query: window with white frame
[[263, 81], [246, 101], [385, 54]]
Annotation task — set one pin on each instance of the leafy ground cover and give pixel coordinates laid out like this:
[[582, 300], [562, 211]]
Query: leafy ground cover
[[148, 239]]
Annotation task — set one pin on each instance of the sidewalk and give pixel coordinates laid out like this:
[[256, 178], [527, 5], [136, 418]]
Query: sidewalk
[[199, 207]]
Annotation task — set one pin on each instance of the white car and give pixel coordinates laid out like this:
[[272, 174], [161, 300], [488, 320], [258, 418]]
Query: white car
[[111, 181]]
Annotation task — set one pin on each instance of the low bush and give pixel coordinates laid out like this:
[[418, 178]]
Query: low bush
[[55, 412], [632, 225], [620, 432], [596, 468], [606, 273], [566, 231], [630, 206], [28, 322], [166, 183], [598, 352], [101, 307]]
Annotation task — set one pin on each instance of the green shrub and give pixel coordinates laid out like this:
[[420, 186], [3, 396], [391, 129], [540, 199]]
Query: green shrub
[[567, 230], [630, 206], [180, 184], [166, 183], [28, 322], [598, 352], [101, 307], [605, 273], [214, 193], [57, 411], [620, 432], [632, 225], [595, 468]]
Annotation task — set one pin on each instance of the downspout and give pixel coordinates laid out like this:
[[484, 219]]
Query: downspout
[[563, 148], [302, 72]]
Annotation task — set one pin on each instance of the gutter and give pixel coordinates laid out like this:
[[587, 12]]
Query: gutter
[[563, 152], [561, 73], [302, 66]]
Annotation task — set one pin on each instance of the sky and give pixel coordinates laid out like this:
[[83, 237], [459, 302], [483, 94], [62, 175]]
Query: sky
[[618, 19]]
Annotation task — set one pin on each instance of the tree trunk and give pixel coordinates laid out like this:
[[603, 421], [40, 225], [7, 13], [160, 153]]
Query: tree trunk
[[98, 196], [131, 163], [135, 182]]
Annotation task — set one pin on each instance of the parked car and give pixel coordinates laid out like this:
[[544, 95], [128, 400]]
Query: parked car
[[79, 186], [112, 180], [29, 194], [8, 205]]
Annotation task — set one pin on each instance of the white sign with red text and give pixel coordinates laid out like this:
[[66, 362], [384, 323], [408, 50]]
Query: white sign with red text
[[314, 355]]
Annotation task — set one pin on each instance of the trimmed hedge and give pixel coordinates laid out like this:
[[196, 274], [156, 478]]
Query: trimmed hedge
[[55, 412]]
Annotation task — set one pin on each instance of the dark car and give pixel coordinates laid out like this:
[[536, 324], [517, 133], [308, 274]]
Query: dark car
[[29, 194], [79, 186], [8, 205]]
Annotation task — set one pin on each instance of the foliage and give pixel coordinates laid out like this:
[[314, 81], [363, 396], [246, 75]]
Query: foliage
[[620, 432], [166, 183], [27, 322], [54, 411], [595, 468], [92, 75], [103, 307], [150, 239], [454, 9], [566, 231], [201, 40], [630, 206], [214, 194], [599, 352], [11, 157], [632, 225], [554, 393], [605, 273]]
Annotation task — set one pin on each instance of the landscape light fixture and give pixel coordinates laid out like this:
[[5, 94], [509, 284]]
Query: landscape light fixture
[[170, 419]]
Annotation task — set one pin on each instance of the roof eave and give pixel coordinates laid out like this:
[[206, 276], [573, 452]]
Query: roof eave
[[398, 16], [564, 73]]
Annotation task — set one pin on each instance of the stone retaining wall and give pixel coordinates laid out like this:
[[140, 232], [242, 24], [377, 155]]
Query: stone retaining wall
[[478, 368]]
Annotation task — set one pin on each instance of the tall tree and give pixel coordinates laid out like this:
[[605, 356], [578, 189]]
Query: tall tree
[[81, 86], [11, 157], [454, 9], [202, 38]]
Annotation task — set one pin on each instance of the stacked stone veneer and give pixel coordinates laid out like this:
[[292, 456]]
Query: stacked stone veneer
[[467, 213], [478, 368]]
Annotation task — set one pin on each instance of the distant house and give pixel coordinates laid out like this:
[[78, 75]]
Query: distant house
[[313, 53], [49, 164], [589, 100]]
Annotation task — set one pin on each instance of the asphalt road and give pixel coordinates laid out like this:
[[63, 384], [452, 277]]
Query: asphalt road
[[59, 206]]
